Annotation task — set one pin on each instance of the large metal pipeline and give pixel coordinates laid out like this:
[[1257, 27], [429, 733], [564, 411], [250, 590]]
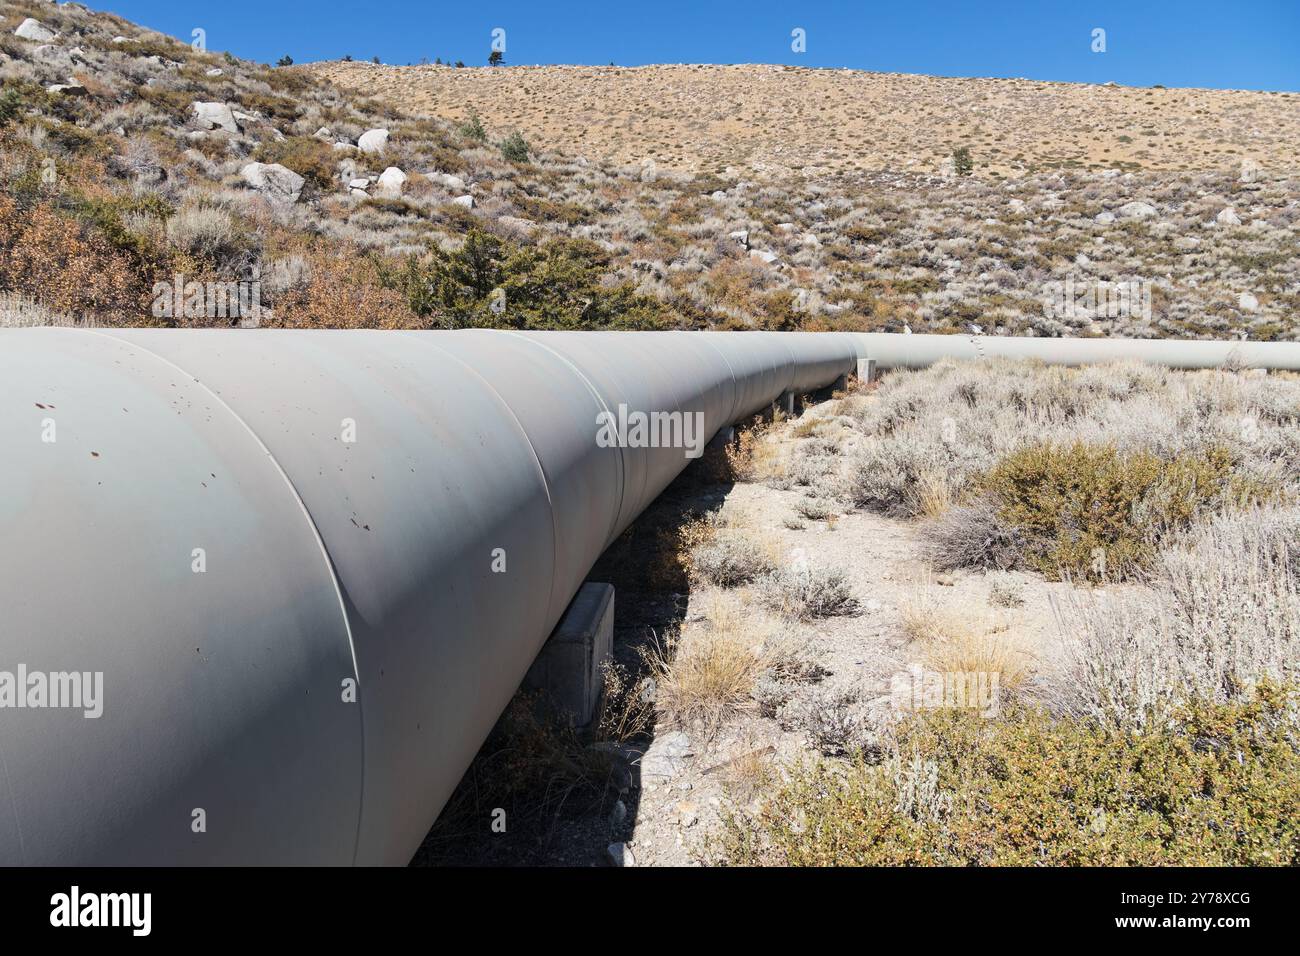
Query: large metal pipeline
[[299, 574], [919, 351], [311, 567]]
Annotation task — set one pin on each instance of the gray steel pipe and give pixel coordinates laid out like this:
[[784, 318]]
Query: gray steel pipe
[[241, 531], [919, 351], [312, 567]]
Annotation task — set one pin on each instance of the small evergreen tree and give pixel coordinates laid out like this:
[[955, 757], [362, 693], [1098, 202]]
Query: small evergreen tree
[[495, 58], [285, 60], [515, 148], [961, 161], [472, 128]]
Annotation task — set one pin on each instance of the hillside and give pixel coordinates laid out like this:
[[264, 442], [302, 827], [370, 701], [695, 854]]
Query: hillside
[[778, 120], [443, 198]]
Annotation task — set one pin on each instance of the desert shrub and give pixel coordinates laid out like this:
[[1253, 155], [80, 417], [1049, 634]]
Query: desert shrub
[[11, 106], [204, 232], [731, 558], [751, 457], [1216, 786], [1006, 591], [1221, 612], [343, 290], [834, 721], [1091, 511], [270, 105], [309, 157], [971, 536], [491, 282], [702, 678], [961, 161], [809, 591], [69, 268], [815, 509]]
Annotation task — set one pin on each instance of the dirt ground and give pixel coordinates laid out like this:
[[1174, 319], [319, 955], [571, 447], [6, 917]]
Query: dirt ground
[[670, 787]]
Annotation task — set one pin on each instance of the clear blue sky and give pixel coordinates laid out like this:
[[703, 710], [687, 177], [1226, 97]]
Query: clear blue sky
[[1245, 44]]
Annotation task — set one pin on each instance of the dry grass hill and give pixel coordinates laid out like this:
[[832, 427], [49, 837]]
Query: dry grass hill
[[781, 119], [345, 194]]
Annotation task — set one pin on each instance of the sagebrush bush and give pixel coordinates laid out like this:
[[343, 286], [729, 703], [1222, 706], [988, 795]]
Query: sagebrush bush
[[1094, 512], [1220, 612], [731, 558], [309, 157], [809, 592], [1217, 786]]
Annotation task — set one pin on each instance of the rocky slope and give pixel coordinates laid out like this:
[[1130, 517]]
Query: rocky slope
[[661, 197]]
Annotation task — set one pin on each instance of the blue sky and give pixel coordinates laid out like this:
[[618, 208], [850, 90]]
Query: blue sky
[[1247, 44]]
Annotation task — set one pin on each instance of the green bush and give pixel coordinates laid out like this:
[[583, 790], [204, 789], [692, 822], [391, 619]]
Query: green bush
[[11, 105], [515, 148], [557, 285], [472, 129], [1217, 786], [1070, 504]]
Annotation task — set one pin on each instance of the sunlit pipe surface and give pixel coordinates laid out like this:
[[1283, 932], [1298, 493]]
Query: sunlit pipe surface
[[283, 551]]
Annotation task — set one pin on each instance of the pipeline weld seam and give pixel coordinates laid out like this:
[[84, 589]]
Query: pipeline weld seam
[[311, 524], [532, 450], [600, 400]]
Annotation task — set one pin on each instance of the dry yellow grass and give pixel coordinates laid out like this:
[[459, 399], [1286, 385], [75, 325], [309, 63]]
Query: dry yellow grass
[[706, 672], [754, 456], [933, 493], [778, 120], [952, 641]]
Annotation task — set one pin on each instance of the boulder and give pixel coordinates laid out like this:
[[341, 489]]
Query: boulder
[[1228, 217], [71, 88], [1105, 218], [619, 854], [275, 182], [391, 181], [361, 182], [373, 141], [666, 757], [466, 201], [32, 29], [49, 53], [215, 116], [214, 71], [765, 256], [514, 224], [1247, 302], [1136, 210], [740, 237], [449, 182]]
